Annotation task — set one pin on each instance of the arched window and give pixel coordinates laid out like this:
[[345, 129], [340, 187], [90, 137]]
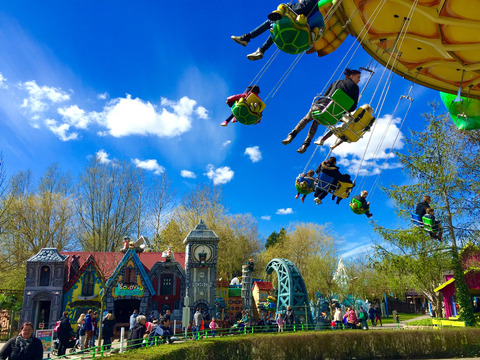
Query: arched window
[[88, 283], [45, 276]]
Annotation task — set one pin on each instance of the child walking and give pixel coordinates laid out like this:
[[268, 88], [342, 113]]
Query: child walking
[[213, 325], [280, 322]]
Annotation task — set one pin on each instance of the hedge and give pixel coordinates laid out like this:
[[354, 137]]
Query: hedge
[[332, 345]]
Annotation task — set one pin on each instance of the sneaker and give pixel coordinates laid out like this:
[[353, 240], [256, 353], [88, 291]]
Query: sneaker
[[296, 196], [288, 140], [239, 40], [274, 16], [303, 199], [302, 149], [369, 216], [224, 123], [319, 141], [257, 55], [317, 201]]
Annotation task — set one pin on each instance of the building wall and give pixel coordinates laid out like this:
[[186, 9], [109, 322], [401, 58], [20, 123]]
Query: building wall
[[76, 303]]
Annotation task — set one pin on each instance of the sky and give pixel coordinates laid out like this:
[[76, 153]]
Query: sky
[[147, 81]]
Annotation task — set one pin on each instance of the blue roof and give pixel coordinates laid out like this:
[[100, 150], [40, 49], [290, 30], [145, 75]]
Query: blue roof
[[131, 253], [48, 255]]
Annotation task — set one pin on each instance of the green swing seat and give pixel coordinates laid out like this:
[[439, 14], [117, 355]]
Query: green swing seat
[[339, 103], [356, 207]]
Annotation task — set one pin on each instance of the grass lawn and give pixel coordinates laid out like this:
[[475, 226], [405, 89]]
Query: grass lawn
[[401, 316]]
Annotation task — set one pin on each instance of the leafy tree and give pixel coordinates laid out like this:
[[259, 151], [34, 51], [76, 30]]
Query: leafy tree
[[34, 218], [435, 161], [313, 250], [275, 237]]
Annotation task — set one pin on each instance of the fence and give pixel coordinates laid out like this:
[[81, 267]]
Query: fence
[[125, 345]]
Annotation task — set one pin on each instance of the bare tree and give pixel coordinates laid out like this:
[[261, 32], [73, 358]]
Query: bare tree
[[162, 195], [106, 204]]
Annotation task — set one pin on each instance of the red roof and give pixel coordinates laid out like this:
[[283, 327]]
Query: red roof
[[263, 285], [108, 261]]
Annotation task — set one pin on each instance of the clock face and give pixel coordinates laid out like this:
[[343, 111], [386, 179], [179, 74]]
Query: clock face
[[200, 250]]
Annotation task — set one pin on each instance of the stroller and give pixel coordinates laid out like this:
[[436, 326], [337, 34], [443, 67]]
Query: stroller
[[72, 344]]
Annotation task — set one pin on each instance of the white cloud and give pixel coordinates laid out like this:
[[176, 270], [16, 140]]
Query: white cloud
[[201, 112], [220, 175], [188, 174], [60, 130], [358, 250], [227, 142], [385, 131], [150, 165], [127, 116], [103, 96], [265, 217], [254, 153], [286, 211], [76, 117], [3, 81], [102, 157], [41, 97]]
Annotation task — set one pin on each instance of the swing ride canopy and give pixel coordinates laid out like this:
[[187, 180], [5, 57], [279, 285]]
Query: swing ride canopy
[[439, 39]]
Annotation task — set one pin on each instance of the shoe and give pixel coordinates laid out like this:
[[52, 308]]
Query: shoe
[[333, 197], [317, 201], [303, 199], [224, 123], [296, 196], [239, 40], [274, 16], [257, 55], [288, 140], [319, 141], [302, 149], [369, 216]]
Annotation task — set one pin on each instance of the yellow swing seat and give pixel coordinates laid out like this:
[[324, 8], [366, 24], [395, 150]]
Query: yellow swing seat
[[355, 125], [343, 189]]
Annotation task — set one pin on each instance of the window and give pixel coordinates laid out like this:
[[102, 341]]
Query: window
[[88, 283], [45, 276], [130, 275], [166, 285]]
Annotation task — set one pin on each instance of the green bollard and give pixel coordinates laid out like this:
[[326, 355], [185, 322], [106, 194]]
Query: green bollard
[[101, 350]]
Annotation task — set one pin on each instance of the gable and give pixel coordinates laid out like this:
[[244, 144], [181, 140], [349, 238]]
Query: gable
[[121, 286]]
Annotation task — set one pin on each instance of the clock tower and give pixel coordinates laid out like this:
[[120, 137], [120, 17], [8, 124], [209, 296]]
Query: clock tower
[[201, 271]]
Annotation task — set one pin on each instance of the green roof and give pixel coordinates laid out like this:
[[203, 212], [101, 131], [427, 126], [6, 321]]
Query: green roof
[[234, 292]]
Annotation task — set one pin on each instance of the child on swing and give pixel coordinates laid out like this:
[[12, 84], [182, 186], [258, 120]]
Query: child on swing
[[232, 99], [305, 181]]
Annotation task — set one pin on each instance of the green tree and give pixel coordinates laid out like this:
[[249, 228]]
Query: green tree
[[435, 161], [275, 237]]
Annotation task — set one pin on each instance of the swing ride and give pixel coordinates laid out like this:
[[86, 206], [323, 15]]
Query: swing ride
[[432, 43]]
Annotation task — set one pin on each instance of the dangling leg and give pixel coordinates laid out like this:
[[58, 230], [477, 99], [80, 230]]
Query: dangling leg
[[303, 198], [257, 55], [225, 123], [311, 134], [338, 142], [296, 196], [301, 124]]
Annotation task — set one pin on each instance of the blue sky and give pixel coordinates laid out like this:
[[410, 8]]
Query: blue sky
[[147, 82]]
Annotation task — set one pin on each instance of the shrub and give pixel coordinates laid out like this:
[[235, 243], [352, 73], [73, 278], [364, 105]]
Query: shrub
[[335, 345]]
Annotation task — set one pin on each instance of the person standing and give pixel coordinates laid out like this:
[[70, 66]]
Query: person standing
[[289, 318], [24, 346], [338, 317], [133, 319], [378, 315], [363, 318], [64, 333], [371, 314], [107, 334], [197, 322], [81, 331], [94, 327], [137, 332], [213, 326], [88, 328], [280, 322]]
